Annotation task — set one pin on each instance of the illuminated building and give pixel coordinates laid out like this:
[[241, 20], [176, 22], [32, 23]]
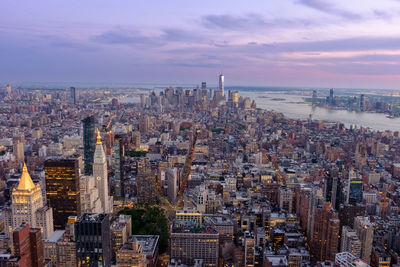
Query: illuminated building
[[131, 254], [93, 240], [89, 143], [63, 189], [121, 230], [101, 176], [355, 191], [249, 249], [27, 206], [149, 245], [189, 243]]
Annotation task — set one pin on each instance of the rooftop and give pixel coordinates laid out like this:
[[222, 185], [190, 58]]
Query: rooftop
[[148, 243]]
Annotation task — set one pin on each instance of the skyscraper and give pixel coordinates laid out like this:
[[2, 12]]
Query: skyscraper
[[146, 183], [101, 175], [63, 189], [18, 148], [221, 84], [93, 240], [118, 154], [324, 237], [365, 232], [89, 143], [27, 206], [355, 190], [331, 97], [72, 97]]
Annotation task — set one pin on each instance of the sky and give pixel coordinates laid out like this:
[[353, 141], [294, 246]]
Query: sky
[[306, 43]]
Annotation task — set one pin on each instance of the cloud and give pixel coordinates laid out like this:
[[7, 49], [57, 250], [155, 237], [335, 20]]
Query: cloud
[[327, 7], [122, 36], [252, 21]]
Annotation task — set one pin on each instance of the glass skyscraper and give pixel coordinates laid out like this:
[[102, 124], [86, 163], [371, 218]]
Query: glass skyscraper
[[89, 143]]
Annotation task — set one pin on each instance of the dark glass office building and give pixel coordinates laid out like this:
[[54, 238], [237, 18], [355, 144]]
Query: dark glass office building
[[63, 189], [93, 240], [89, 143]]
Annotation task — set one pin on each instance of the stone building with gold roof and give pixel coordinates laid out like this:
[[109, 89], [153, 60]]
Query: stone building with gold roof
[[27, 206]]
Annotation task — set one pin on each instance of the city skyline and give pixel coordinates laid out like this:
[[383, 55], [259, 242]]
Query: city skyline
[[311, 43]]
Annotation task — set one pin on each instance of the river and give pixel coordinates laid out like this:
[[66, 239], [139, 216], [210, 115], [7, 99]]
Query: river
[[293, 106]]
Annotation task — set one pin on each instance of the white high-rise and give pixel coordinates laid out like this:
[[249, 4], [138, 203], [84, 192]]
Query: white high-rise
[[221, 84], [101, 176]]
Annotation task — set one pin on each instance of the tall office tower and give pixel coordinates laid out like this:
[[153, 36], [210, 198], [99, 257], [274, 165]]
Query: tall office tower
[[363, 103], [144, 124], [146, 183], [314, 97], [18, 148], [93, 240], [221, 84], [331, 97], [324, 238], [190, 243], [27, 206], [101, 175], [172, 177], [27, 246], [204, 86], [63, 189], [89, 143], [285, 199], [72, 97], [365, 232], [249, 249], [118, 156], [355, 191], [332, 188], [350, 241]]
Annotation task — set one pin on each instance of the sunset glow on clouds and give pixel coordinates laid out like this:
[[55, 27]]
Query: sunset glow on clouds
[[285, 43]]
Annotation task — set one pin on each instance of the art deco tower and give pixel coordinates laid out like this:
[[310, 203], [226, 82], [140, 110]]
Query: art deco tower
[[100, 174]]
